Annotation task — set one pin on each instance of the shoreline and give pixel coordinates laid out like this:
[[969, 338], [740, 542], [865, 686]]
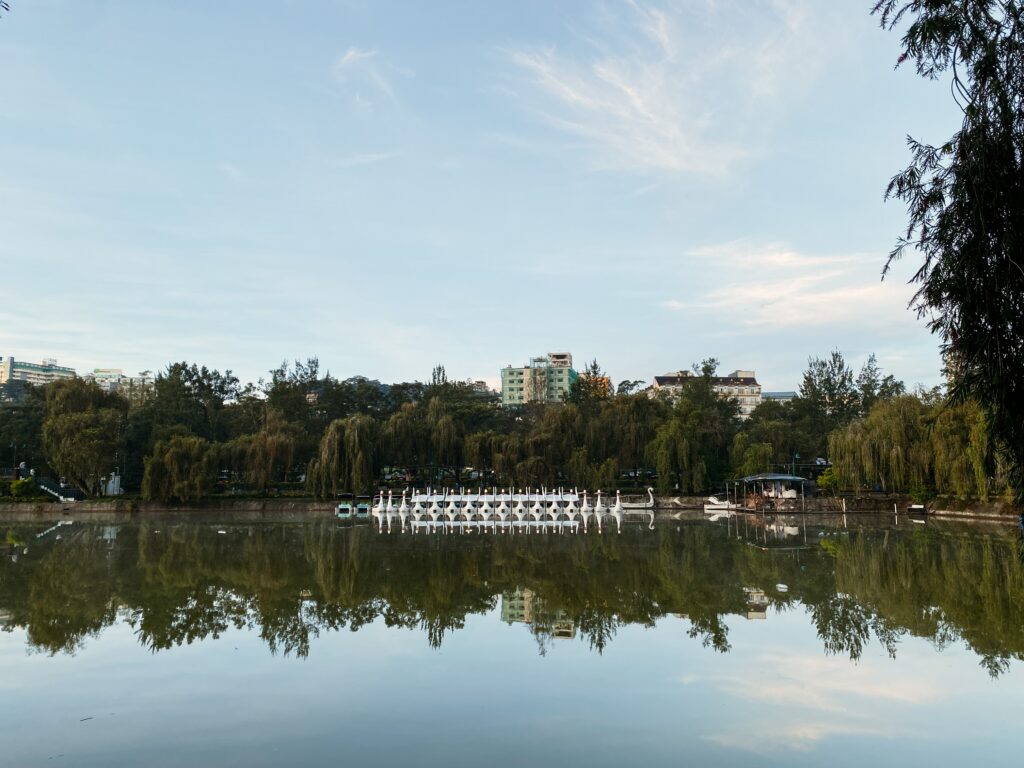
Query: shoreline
[[299, 509]]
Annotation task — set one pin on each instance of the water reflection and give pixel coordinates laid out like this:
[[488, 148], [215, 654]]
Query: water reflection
[[176, 583]]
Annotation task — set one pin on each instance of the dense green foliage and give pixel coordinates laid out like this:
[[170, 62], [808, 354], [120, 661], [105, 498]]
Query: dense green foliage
[[81, 431], [965, 200], [198, 432], [922, 445]]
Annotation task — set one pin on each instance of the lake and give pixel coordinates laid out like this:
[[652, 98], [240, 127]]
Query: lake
[[172, 642]]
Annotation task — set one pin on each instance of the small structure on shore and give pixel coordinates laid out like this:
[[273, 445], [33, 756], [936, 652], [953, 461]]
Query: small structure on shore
[[768, 491]]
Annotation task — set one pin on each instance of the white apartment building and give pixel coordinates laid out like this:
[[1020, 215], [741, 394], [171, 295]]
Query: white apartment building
[[740, 384], [115, 380], [33, 373]]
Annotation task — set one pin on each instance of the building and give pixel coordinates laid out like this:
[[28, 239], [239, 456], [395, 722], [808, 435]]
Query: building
[[135, 388], [524, 606], [43, 372], [543, 380], [108, 379], [778, 397], [479, 387], [740, 385]]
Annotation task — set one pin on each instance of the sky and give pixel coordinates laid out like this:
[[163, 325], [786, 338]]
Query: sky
[[392, 185]]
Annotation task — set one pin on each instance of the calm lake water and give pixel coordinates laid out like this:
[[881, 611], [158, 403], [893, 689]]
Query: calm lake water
[[182, 644]]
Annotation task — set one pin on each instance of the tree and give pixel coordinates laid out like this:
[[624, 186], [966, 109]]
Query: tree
[[629, 386], [590, 387], [82, 431], [179, 469], [872, 386], [965, 200], [347, 459], [828, 481], [828, 385], [193, 397], [691, 447]]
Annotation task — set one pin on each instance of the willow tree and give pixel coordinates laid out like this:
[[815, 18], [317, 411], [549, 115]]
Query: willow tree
[[480, 448], [557, 434], [965, 200], [508, 451], [961, 451], [445, 437], [677, 460], [403, 438], [347, 459], [891, 448], [906, 444], [269, 453], [180, 468], [749, 457]]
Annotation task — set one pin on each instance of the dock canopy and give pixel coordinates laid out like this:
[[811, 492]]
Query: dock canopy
[[773, 477]]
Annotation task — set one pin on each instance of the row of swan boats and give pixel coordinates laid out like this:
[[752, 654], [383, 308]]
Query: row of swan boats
[[448, 511]]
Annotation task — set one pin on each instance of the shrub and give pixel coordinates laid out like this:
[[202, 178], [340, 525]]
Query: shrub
[[24, 488]]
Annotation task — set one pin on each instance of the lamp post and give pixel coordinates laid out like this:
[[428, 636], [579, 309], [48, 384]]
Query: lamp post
[[793, 467]]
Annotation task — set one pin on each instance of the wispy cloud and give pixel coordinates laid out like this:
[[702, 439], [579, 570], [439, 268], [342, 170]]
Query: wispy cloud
[[817, 698], [232, 171], [662, 90], [365, 158], [776, 287], [360, 70]]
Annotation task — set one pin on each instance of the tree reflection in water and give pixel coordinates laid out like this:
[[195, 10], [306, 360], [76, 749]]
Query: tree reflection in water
[[176, 583]]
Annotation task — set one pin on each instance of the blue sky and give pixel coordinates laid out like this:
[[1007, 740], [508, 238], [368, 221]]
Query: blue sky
[[390, 185]]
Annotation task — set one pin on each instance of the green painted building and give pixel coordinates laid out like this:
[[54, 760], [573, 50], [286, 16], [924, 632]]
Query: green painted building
[[544, 380]]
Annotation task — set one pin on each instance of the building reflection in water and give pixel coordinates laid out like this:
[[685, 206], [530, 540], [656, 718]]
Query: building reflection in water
[[524, 606]]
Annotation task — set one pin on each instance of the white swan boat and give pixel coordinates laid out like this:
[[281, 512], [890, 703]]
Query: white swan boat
[[505, 510], [715, 506]]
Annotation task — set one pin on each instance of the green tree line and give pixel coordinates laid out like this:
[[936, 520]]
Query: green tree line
[[198, 432]]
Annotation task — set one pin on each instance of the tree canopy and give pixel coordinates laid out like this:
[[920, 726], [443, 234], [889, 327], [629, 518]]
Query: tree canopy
[[965, 200]]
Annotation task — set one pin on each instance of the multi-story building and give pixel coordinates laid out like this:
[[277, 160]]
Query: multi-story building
[[779, 397], [33, 373], [543, 380], [740, 385], [115, 380], [524, 606]]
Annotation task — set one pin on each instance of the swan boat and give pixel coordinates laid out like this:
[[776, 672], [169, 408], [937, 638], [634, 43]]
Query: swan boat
[[351, 507], [715, 506], [524, 510]]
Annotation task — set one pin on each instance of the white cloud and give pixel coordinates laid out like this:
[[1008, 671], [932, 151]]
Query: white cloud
[[680, 90], [351, 57], [816, 698], [775, 287], [358, 69], [366, 158], [231, 171]]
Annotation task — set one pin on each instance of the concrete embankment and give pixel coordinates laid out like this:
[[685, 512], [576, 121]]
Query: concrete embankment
[[123, 510]]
